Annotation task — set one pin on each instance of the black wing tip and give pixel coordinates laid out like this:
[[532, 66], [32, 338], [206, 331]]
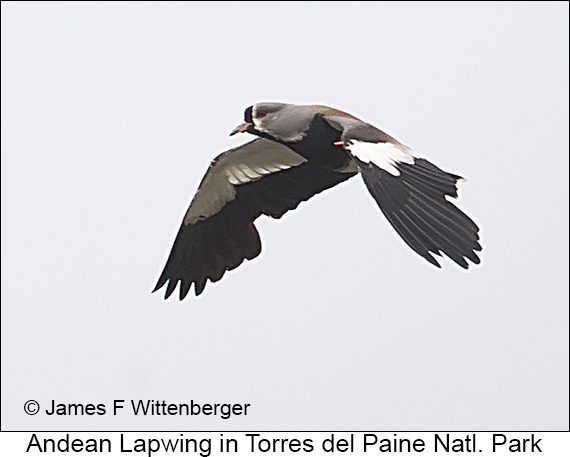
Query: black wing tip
[[171, 287], [184, 288], [462, 259], [459, 260], [428, 256], [161, 282]]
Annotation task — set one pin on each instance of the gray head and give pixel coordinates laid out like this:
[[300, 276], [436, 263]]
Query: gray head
[[281, 121]]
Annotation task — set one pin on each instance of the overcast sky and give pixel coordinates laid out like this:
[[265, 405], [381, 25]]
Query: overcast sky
[[111, 113]]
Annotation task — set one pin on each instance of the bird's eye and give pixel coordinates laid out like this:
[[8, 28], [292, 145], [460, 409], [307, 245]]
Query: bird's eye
[[260, 113]]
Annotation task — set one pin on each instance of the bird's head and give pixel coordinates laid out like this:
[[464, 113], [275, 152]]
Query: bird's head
[[277, 121]]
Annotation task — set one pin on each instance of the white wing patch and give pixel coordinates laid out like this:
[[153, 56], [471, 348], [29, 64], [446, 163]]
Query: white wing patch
[[386, 156], [242, 174], [235, 167]]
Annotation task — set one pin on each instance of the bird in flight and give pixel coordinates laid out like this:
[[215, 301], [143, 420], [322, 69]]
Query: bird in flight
[[301, 150]]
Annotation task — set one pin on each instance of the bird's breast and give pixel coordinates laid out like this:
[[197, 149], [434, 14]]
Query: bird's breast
[[318, 146]]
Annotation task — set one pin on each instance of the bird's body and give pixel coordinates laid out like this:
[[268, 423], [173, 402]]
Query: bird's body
[[301, 151]]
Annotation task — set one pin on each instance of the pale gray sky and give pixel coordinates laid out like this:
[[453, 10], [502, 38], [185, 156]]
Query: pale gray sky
[[110, 115]]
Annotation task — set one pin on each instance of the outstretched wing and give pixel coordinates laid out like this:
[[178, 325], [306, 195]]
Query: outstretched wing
[[412, 193], [217, 233]]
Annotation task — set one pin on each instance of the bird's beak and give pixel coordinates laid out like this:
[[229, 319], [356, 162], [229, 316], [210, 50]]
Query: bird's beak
[[241, 128]]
